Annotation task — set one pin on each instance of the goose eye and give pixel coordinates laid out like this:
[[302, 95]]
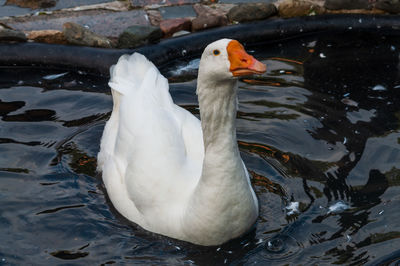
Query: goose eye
[[216, 52]]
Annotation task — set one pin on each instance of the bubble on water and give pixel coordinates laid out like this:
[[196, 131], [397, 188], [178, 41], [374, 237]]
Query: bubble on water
[[338, 207], [20, 82], [344, 140], [392, 48], [379, 88], [360, 20], [322, 55], [282, 71], [348, 238], [381, 212], [346, 94], [55, 76], [281, 247], [184, 52]]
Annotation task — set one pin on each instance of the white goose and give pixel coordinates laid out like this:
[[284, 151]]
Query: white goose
[[167, 171]]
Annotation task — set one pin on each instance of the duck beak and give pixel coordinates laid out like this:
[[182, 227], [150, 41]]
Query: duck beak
[[243, 64]]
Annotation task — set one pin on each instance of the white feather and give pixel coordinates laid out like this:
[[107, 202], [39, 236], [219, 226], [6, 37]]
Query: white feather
[[153, 161]]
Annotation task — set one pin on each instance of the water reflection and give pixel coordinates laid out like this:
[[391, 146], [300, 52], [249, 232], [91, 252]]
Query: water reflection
[[321, 128]]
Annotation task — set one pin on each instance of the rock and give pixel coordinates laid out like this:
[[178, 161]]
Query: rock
[[47, 36], [138, 35], [170, 26], [205, 22], [391, 6], [202, 11], [347, 4], [33, 4], [154, 17], [78, 35], [296, 8], [8, 35], [251, 11]]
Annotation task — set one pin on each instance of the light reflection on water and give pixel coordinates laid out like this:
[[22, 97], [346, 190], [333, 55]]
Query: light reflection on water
[[302, 137]]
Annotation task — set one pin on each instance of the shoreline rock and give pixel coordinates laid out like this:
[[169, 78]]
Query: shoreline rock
[[79, 35], [138, 35]]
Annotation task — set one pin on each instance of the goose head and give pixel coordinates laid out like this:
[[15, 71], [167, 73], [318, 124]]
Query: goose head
[[227, 59]]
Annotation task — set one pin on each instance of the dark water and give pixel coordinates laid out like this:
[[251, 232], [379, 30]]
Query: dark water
[[320, 130]]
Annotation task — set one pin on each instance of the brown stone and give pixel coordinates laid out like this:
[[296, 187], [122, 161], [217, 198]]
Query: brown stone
[[296, 8], [205, 22], [78, 35], [251, 11], [142, 3], [170, 26], [33, 4], [202, 10], [47, 36], [154, 16]]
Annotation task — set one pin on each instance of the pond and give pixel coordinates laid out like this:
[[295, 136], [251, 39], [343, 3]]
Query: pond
[[319, 133]]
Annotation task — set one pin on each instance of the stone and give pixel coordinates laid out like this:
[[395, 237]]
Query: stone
[[169, 12], [296, 8], [347, 4], [154, 17], [78, 35], [33, 4], [47, 36], [170, 26], [390, 6], [8, 35], [143, 3], [138, 35], [103, 22], [251, 11], [205, 22], [202, 10]]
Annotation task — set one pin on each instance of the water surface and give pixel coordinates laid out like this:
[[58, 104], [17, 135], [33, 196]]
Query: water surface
[[319, 133]]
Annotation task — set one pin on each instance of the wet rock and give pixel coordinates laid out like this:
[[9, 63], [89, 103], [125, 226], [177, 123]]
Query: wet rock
[[78, 35], [347, 4], [391, 6], [154, 16], [170, 26], [103, 22], [138, 35], [33, 4], [251, 11], [204, 11], [155, 3], [8, 35], [205, 22], [184, 11], [47, 36], [295, 8]]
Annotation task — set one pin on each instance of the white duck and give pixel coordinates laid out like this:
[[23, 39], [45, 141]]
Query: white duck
[[167, 171]]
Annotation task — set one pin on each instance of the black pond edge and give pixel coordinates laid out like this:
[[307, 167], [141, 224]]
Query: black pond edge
[[99, 60]]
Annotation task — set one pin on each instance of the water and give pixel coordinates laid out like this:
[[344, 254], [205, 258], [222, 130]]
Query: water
[[321, 142]]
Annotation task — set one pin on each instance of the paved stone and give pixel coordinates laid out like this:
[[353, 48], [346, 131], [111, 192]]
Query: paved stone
[[170, 26], [47, 36], [251, 11], [7, 35], [177, 11], [142, 3], [78, 35], [137, 35], [102, 22], [203, 10]]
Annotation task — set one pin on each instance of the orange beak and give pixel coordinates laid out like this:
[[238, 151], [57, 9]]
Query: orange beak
[[241, 62]]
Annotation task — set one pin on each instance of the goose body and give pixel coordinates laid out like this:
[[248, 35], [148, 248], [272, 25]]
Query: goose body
[[167, 171]]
